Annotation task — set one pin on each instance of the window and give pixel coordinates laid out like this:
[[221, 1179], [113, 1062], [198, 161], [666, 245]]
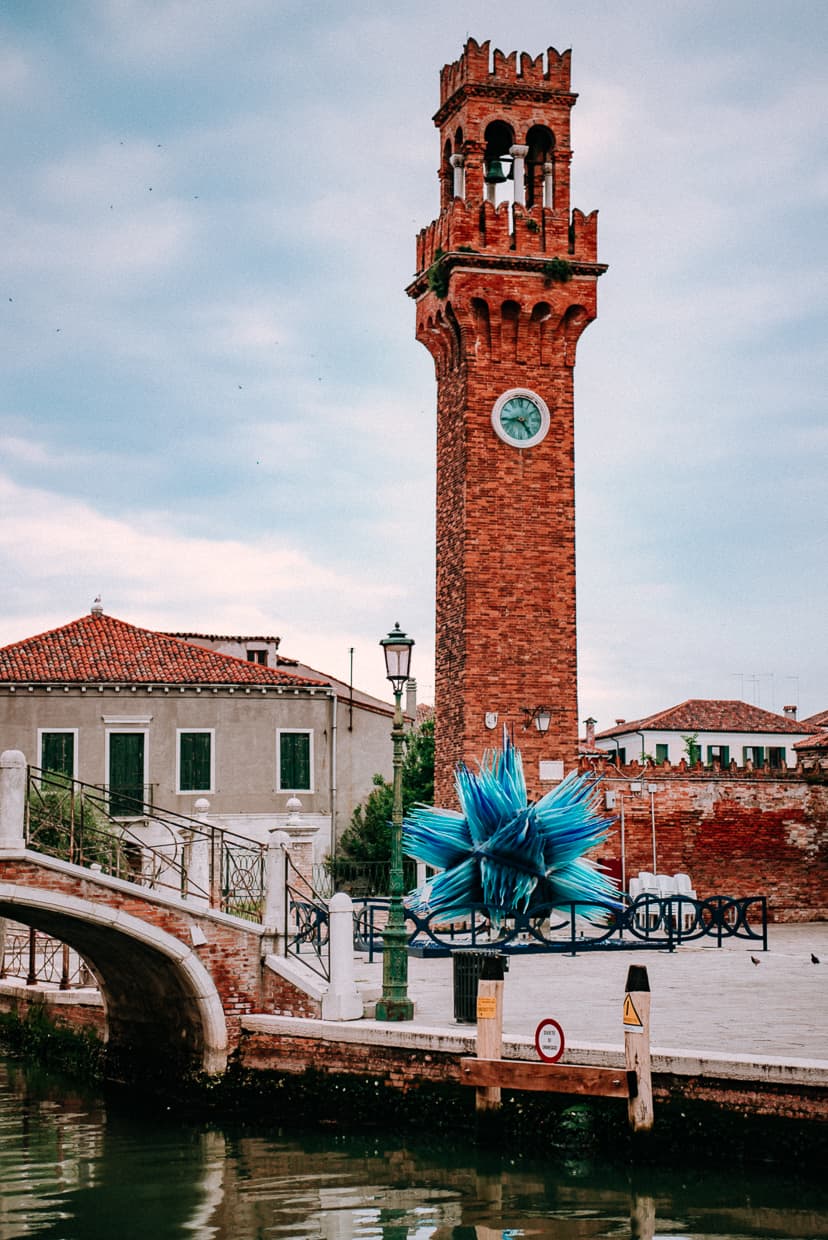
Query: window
[[754, 754], [777, 757], [718, 753], [622, 756], [195, 760], [57, 752], [257, 656], [295, 760], [127, 776], [662, 754]]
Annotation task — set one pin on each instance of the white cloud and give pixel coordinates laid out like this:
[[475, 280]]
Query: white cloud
[[152, 574]]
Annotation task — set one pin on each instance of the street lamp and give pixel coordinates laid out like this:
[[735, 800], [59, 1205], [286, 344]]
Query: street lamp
[[395, 1003]]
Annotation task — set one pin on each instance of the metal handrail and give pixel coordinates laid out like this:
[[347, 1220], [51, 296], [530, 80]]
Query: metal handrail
[[29, 954], [306, 922], [154, 848]]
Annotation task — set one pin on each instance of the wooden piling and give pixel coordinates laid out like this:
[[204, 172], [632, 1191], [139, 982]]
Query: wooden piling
[[636, 1017], [489, 1037]]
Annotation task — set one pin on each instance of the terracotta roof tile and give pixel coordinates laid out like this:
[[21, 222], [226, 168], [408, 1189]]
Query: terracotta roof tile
[[709, 715], [818, 741], [102, 650], [816, 723]]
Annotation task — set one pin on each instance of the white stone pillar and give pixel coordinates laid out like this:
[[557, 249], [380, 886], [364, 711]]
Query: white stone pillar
[[458, 164], [275, 884], [12, 800], [519, 154], [342, 1000], [198, 867], [549, 185]]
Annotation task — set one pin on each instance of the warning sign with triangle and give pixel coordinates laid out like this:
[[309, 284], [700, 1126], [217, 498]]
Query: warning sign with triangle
[[631, 1018]]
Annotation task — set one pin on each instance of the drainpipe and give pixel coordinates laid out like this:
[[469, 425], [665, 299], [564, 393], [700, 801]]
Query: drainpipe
[[623, 846], [333, 773]]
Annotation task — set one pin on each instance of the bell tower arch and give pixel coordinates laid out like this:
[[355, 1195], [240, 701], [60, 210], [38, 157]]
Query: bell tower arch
[[506, 282]]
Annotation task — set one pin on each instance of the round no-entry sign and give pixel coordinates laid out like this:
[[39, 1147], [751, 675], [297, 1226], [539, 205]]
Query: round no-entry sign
[[549, 1040]]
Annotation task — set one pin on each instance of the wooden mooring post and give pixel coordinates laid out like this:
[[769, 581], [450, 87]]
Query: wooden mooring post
[[489, 1037], [637, 1048], [489, 1072]]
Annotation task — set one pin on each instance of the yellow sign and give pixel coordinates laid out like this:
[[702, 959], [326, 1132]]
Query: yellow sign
[[486, 1007], [631, 1018]]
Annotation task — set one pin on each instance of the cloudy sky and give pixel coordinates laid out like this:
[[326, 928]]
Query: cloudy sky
[[214, 413]]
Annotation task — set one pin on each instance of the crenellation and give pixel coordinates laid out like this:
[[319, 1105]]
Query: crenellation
[[531, 69], [583, 242], [478, 66], [505, 66]]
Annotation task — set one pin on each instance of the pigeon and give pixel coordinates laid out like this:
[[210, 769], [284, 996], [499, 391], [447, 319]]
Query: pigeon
[[756, 960], [814, 959]]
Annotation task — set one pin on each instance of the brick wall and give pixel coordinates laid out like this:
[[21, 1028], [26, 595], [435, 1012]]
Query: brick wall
[[505, 520], [738, 833], [403, 1068]]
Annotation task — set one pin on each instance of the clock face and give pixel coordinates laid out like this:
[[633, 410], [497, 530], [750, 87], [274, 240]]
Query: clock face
[[520, 418]]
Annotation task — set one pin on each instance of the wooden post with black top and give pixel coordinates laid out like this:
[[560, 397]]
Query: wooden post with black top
[[637, 1048]]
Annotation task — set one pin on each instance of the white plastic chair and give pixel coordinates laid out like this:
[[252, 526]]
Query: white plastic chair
[[647, 887], [685, 888]]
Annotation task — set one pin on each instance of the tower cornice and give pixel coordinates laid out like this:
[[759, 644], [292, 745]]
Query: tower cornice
[[502, 264], [505, 96]]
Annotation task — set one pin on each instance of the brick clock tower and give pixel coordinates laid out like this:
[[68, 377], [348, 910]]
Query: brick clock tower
[[506, 282]]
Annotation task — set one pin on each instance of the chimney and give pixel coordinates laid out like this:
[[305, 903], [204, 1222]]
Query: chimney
[[590, 732], [411, 698], [789, 712], [619, 721], [97, 608]]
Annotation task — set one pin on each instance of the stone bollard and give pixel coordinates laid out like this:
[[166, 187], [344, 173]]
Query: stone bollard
[[274, 920], [12, 800], [342, 1001]]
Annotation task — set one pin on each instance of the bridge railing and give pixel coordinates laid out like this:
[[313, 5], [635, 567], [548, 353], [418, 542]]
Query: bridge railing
[[35, 957], [161, 850], [307, 923]]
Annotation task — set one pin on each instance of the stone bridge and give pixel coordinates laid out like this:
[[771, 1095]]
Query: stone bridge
[[175, 978]]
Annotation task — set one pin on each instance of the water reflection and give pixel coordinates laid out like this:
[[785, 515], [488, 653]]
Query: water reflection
[[75, 1170]]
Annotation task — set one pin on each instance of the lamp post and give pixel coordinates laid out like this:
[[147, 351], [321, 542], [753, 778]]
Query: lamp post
[[395, 1003]]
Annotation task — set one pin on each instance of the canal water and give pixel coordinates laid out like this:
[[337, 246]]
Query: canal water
[[75, 1168]]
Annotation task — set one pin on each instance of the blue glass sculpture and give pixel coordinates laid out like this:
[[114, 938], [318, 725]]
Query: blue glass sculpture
[[504, 853]]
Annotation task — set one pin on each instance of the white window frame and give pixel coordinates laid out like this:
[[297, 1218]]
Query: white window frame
[[48, 732], [280, 732], [196, 792]]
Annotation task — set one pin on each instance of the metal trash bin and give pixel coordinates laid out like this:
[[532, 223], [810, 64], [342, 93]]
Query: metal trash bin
[[470, 966]]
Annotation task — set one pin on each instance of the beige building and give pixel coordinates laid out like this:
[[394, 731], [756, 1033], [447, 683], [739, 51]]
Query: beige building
[[159, 720]]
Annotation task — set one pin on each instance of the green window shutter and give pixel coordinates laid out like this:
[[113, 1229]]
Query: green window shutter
[[725, 750], [126, 774], [57, 753], [294, 761], [662, 753], [194, 761]]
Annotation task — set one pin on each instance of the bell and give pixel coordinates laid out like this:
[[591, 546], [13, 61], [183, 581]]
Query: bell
[[495, 172]]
